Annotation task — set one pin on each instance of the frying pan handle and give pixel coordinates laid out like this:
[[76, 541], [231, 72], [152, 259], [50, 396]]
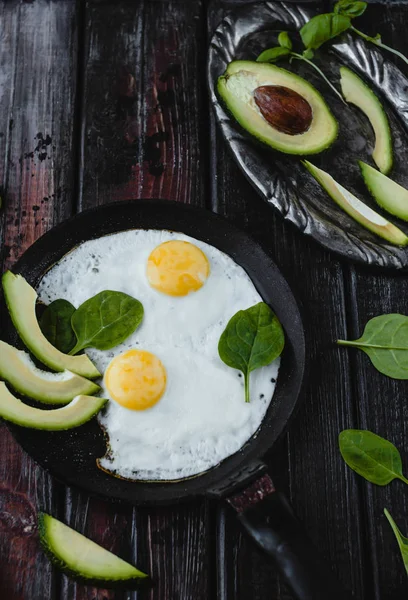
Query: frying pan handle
[[268, 518]]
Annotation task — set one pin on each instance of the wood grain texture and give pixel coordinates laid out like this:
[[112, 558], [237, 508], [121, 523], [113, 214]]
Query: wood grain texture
[[143, 129], [142, 136], [142, 102], [324, 494], [37, 96]]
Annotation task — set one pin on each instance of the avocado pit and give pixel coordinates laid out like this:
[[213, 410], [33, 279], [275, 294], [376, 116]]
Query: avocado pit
[[284, 109]]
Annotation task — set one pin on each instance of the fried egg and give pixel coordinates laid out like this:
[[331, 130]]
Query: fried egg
[[175, 409]]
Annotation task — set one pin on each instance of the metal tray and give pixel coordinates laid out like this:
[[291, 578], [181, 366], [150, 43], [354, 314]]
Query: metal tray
[[281, 179]]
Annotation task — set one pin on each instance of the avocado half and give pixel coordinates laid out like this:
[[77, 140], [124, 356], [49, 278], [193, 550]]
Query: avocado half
[[238, 86]]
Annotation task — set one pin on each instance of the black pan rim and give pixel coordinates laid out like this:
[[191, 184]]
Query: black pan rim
[[191, 218]]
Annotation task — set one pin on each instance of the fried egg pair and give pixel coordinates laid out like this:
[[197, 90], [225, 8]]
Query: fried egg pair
[[175, 408]]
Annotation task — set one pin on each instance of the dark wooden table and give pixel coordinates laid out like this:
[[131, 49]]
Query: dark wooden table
[[106, 100]]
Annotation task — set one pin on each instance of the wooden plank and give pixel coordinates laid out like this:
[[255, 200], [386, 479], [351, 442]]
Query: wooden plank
[[381, 405], [143, 98], [142, 138], [37, 97], [324, 495]]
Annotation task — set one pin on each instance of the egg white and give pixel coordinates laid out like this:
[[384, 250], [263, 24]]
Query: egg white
[[202, 417]]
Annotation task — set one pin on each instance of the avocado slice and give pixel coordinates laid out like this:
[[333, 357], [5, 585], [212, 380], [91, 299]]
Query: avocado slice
[[354, 207], [278, 107], [391, 196], [17, 368], [356, 92], [82, 558], [21, 299], [77, 412]]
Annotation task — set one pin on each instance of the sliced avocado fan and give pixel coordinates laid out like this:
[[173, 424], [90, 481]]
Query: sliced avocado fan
[[278, 107], [74, 414], [21, 299], [82, 558], [17, 368], [391, 196], [358, 93], [354, 207]]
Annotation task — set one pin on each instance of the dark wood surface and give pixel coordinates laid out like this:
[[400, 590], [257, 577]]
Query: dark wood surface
[[106, 100]]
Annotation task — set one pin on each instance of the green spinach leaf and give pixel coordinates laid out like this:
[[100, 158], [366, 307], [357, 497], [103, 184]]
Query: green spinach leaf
[[105, 320], [308, 54], [402, 541], [323, 28], [385, 340], [371, 456], [253, 338], [350, 8], [284, 40], [273, 54], [55, 323]]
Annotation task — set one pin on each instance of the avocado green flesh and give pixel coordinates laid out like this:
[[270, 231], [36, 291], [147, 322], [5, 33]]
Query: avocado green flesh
[[356, 92], [77, 412], [17, 369], [391, 196], [237, 86], [80, 556], [21, 300], [359, 211]]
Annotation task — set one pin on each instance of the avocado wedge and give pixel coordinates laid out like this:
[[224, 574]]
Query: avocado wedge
[[74, 414], [356, 92], [354, 207], [17, 368], [391, 196], [21, 299], [83, 559], [278, 107]]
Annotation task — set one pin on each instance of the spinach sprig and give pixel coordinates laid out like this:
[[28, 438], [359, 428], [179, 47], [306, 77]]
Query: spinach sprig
[[101, 322], [378, 461], [402, 540], [371, 456], [323, 28], [385, 341], [285, 49], [253, 338]]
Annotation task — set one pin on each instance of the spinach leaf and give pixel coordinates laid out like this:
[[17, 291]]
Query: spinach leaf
[[284, 40], [308, 54], [371, 456], [402, 541], [273, 54], [323, 28], [253, 338], [105, 320], [385, 340], [350, 8], [55, 323]]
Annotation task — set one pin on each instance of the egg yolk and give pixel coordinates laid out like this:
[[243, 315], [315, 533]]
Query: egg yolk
[[177, 268], [136, 379]]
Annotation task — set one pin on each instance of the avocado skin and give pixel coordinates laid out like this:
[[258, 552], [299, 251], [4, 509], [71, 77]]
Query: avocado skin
[[296, 79], [127, 584]]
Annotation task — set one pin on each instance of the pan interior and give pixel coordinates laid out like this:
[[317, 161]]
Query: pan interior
[[70, 456]]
